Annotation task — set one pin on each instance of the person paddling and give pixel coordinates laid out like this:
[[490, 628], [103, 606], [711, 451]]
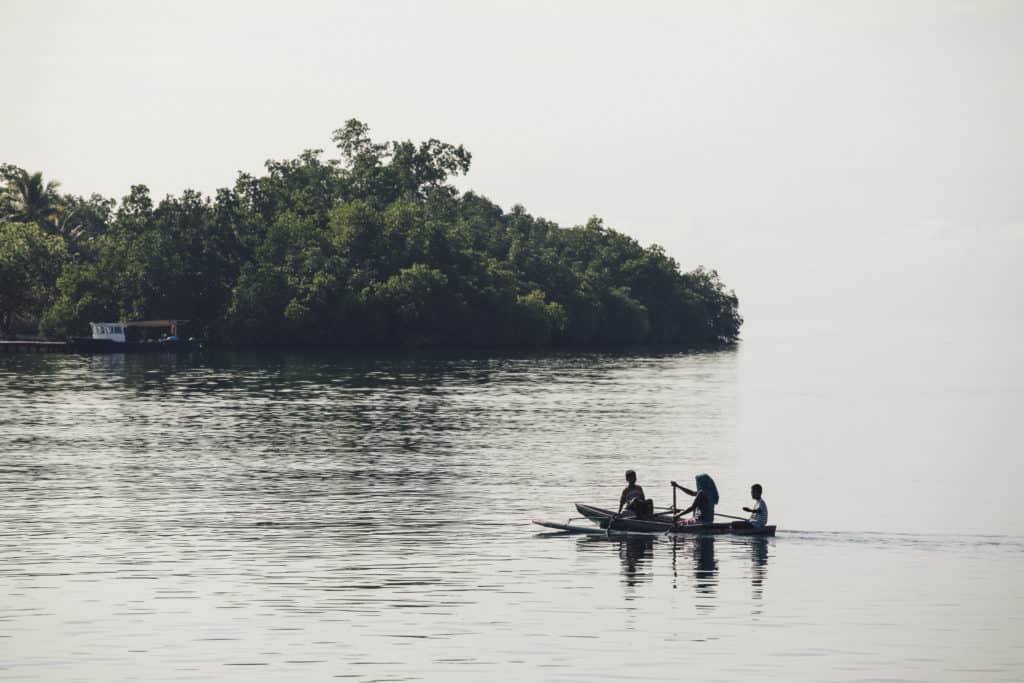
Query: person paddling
[[705, 498], [759, 511]]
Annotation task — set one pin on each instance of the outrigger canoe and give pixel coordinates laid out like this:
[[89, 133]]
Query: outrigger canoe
[[608, 521]]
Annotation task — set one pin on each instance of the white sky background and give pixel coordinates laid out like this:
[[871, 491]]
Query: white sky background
[[831, 160]]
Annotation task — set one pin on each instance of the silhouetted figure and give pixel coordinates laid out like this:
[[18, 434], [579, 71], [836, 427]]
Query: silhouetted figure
[[633, 500], [632, 490], [704, 501], [758, 511]]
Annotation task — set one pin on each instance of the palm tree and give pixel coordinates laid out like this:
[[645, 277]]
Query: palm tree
[[30, 200], [27, 199]]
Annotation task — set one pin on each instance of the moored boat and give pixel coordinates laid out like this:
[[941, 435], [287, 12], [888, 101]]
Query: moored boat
[[136, 336]]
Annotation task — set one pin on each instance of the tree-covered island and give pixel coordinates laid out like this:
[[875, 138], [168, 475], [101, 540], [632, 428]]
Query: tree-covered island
[[373, 248]]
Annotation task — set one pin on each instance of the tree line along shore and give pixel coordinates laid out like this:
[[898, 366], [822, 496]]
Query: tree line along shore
[[373, 248]]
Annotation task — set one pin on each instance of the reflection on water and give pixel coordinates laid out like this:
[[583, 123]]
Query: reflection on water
[[759, 563], [279, 516], [705, 568], [693, 560], [632, 553]]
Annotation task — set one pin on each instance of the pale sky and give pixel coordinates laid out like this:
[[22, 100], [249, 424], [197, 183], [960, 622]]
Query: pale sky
[[831, 160]]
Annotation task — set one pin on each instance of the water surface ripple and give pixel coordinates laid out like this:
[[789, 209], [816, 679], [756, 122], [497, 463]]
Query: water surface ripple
[[269, 516]]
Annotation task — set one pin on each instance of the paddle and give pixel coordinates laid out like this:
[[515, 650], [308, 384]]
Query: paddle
[[675, 512], [742, 519], [717, 514]]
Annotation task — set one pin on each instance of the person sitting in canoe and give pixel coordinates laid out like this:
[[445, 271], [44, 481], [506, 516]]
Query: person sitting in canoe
[[758, 512], [705, 498], [633, 499]]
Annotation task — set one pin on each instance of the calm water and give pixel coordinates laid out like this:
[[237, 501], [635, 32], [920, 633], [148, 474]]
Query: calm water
[[287, 516]]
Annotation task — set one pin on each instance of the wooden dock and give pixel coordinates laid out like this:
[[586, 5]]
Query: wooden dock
[[32, 346]]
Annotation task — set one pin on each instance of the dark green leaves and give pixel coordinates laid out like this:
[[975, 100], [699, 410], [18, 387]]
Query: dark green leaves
[[373, 248]]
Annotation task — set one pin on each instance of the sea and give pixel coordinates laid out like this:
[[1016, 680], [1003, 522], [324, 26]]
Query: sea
[[367, 516]]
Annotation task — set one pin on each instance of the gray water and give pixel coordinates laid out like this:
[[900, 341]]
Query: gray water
[[309, 516]]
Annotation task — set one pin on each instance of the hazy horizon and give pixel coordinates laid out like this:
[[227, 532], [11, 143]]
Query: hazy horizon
[[838, 160]]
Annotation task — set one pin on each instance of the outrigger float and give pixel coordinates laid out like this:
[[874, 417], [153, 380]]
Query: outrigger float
[[609, 523]]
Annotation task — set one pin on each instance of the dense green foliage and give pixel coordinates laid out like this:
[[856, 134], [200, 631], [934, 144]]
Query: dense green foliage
[[30, 261], [374, 248]]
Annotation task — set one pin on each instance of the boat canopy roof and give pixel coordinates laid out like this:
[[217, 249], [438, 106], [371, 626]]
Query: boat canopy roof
[[154, 323]]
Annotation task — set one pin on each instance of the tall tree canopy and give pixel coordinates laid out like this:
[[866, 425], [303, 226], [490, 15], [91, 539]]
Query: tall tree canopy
[[372, 248], [29, 263]]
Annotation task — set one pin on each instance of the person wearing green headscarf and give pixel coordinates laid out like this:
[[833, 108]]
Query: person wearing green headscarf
[[705, 498]]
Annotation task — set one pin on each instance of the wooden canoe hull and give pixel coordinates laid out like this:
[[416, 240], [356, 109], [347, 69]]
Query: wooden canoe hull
[[606, 519]]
